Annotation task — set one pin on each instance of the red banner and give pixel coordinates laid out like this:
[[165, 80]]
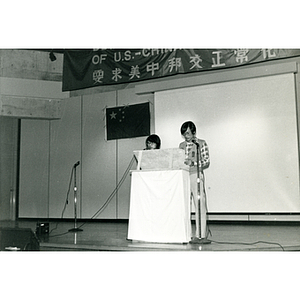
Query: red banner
[[90, 68]]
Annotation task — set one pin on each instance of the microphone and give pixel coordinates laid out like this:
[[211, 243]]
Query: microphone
[[194, 140], [77, 164]]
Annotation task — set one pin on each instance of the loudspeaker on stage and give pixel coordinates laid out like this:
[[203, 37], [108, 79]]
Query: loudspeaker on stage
[[18, 239]]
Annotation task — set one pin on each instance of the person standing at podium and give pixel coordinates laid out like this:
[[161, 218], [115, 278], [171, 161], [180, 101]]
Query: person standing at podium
[[190, 144], [152, 142]]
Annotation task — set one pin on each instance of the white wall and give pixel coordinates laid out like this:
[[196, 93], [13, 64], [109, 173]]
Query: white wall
[[251, 129], [49, 150]]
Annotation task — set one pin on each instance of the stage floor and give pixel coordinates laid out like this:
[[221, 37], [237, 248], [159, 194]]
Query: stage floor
[[105, 235]]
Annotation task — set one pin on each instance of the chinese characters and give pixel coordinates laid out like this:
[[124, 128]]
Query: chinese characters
[[110, 66]]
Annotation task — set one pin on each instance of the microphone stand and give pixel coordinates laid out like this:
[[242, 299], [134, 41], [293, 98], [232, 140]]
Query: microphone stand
[[200, 239], [75, 229]]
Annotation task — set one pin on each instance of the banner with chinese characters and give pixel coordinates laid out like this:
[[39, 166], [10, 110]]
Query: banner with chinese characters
[[91, 68]]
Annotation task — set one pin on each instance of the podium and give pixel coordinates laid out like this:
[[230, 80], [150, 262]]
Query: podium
[[160, 206]]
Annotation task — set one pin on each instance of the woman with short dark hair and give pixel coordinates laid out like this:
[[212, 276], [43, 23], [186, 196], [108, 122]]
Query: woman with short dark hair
[[152, 142]]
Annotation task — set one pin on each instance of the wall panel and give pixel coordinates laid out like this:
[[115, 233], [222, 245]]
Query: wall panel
[[98, 158], [8, 154], [65, 151], [34, 169]]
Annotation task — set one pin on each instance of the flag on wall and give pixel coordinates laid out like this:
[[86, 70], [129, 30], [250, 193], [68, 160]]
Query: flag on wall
[[128, 121]]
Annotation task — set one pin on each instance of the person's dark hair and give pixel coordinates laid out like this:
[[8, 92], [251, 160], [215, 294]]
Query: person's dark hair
[[186, 125], [153, 138]]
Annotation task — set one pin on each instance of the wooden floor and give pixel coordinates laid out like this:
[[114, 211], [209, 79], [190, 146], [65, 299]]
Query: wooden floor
[[112, 236]]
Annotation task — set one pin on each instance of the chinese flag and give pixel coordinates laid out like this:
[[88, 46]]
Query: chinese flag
[[129, 121]]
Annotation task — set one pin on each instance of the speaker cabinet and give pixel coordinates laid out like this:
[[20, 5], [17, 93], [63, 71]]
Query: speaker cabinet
[[18, 239]]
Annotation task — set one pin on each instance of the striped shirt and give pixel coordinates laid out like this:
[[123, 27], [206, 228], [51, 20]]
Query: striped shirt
[[191, 153]]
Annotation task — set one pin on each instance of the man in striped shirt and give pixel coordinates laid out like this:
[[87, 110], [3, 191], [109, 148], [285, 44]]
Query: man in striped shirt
[[190, 144]]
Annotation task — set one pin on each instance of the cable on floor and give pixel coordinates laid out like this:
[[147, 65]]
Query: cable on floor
[[105, 203], [248, 244]]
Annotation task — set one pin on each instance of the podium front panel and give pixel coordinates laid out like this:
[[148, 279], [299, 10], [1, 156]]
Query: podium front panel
[[160, 206]]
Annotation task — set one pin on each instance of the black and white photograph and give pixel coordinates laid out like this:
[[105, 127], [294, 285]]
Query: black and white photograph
[[149, 170]]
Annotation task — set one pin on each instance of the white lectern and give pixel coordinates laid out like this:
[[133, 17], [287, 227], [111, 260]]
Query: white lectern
[[160, 206]]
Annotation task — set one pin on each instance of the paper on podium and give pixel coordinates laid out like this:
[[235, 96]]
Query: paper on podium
[[161, 159]]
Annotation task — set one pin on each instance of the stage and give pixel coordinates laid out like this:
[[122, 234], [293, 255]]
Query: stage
[[111, 235]]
